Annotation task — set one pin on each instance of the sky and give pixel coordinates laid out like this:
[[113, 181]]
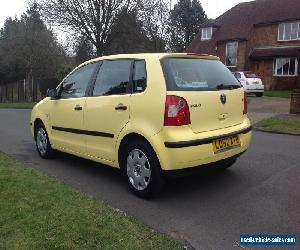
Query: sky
[[213, 8], [11, 8]]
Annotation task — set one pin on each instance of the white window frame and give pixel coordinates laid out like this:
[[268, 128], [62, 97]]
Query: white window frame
[[237, 50], [282, 75], [204, 33], [284, 34]]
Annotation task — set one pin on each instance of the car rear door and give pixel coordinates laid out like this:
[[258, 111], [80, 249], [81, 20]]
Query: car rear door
[[66, 113], [107, 108]]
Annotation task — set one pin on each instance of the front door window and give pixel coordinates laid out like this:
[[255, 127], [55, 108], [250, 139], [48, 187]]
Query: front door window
[[75, 84]]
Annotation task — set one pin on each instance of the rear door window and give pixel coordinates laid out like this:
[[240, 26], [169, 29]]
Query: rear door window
[[139, 76], [113, 78], [193, 74]]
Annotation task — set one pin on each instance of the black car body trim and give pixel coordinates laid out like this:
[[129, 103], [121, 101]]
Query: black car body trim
[[183, 144], [83, 132]]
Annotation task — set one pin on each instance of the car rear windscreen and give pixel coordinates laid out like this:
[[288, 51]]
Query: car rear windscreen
[[250, 75], [193, 74]]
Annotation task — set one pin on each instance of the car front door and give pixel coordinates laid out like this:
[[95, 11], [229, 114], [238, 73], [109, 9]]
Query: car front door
[[107, 109], [66, 115]]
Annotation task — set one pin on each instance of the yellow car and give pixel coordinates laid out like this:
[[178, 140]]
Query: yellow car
[[147, 114]]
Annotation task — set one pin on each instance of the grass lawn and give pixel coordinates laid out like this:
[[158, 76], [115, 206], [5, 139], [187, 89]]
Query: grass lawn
[[39, 212], [280, 125], [278, 93], [17, 105]]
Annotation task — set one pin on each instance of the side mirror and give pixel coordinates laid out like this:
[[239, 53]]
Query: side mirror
[[52, 93]]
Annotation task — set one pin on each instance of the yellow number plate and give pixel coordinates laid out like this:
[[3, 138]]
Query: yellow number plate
[[226, 144]]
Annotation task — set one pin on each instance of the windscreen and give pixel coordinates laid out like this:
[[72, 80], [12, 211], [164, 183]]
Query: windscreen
[[193, 74], [250, 75]]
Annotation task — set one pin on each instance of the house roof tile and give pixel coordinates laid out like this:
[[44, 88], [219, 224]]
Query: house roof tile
[[236, 23]]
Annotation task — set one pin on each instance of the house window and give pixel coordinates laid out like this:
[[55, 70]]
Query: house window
[[206, 33], [289, 31], [285, 66], [231, 54]]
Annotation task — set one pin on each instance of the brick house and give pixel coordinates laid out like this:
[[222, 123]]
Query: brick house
[[262, 36]]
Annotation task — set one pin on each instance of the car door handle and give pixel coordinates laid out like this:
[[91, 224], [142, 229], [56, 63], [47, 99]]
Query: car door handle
[[78, 107], [121, 107]]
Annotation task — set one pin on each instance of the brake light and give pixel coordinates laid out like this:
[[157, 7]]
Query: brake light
[[177, 111], [245, 111]]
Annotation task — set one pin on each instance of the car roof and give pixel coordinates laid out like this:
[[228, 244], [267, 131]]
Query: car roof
[[245, 72], [151, 55]]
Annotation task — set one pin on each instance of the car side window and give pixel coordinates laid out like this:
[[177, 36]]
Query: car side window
[[139, 76], [113, 78], [75, 85]]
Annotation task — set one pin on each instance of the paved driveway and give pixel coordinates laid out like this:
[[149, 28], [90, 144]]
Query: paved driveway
[[265, 107], [260, 194]]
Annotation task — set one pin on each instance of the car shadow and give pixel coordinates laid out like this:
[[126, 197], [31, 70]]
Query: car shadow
[[206, 182]]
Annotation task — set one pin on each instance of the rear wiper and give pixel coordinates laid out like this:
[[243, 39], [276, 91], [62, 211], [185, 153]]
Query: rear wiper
[[227, 86]]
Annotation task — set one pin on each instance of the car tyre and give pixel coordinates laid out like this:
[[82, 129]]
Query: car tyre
[[142, 169], [42, 142]]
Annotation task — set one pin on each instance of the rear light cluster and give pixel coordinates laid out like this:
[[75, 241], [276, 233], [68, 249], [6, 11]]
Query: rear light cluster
[[177, 111], [245, 111]]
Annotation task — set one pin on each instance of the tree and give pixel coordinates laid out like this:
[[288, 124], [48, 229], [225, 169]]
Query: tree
[[128, 35], [185, 19], [28, 48], [83, 51], [91, 19], [12, 64], [154, 16]]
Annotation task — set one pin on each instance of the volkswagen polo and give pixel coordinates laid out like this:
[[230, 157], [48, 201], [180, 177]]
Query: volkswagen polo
[[147, 114]]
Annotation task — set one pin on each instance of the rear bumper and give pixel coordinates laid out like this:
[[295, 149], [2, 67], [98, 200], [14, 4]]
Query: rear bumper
[[254, 89], [184, 144], [176, 155], [199, 169]]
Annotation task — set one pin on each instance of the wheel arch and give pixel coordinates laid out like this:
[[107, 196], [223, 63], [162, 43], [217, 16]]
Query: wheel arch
[[128, 138], [35, 123]]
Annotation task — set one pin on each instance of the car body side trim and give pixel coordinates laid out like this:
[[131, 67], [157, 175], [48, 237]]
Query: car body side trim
[[183, 144], [83, 132]]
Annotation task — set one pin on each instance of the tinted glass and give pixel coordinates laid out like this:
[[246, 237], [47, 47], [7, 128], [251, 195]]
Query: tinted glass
[[237, 75], [75, 84], [139, 76], [197, 74], [250, 75], [113, 78]]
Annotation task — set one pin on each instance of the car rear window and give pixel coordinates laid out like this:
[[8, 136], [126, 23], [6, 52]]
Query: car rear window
[[193, 74], [250, 75]]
